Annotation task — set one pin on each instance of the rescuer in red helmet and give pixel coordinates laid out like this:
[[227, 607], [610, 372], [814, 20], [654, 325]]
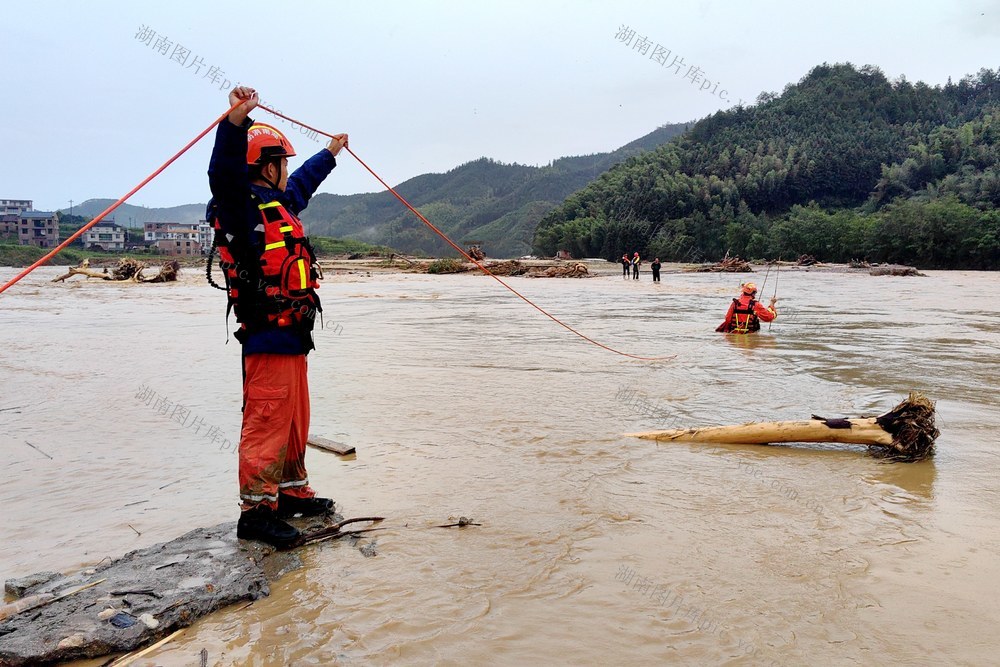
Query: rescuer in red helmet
[[271, 282], [746, 313]]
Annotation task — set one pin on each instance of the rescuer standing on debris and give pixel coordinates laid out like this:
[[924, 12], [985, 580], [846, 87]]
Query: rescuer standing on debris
[[746, 313], [271, 278]]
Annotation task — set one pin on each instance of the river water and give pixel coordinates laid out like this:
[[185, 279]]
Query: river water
[[462, 401]]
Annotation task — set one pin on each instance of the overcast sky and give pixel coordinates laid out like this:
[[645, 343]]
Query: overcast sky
[[90, 109]]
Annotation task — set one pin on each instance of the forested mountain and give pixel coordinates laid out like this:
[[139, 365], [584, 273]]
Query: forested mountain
[[483, 200], [845, 164]]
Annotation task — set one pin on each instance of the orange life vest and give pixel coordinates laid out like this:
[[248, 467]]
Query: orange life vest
[[272, 283], [744, 319]]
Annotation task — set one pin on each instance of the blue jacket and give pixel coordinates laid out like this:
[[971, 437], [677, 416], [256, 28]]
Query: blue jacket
[[229, 179]]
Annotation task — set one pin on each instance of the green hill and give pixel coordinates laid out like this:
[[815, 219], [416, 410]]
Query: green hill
[[845, 164], [128, 215], [483, 200]]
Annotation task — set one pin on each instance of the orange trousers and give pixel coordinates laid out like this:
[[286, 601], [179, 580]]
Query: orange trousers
[[275, 429]]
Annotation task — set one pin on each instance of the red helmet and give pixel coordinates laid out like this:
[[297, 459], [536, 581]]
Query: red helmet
[[749, 288], [265, 143]]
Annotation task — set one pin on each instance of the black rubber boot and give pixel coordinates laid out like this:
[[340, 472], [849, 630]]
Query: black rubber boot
[[289, 506], [262, 523]]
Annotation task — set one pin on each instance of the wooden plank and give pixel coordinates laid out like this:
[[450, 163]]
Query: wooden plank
[[330, 445]]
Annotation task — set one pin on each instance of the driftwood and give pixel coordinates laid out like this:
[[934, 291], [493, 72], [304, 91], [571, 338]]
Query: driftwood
[[334, 531], [127, 270], [577, 270], [905, 433], [168, 273], [726, 265], [462, 522]]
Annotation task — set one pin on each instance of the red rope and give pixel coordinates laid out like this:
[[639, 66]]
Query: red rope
[[461, 251], [118, 203]]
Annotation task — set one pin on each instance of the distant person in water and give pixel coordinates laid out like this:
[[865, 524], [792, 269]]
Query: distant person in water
[[625, 265], [746, 313], [655, 266], [635, 266]]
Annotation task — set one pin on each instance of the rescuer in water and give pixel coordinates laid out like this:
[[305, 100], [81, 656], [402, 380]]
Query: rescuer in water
[[746, 313]]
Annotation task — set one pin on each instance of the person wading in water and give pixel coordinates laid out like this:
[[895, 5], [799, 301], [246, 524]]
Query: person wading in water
[[746, 313]]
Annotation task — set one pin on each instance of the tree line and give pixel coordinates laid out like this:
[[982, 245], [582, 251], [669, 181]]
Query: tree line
[[843, 165]]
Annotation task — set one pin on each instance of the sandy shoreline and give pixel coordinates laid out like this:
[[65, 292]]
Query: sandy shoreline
[[407, 264]]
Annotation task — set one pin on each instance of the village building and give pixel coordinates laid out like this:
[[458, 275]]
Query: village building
[[9, 224], [179, 238], [105, 235], [38, 228], [15, 206]]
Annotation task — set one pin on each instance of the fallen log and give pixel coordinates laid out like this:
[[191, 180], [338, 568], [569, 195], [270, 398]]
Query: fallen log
[[905, 433]]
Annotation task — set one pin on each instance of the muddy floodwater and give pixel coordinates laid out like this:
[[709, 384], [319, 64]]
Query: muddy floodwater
[[463, 401]]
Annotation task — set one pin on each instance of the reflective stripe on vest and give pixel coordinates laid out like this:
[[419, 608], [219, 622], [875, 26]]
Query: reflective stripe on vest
[[751, 323]]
